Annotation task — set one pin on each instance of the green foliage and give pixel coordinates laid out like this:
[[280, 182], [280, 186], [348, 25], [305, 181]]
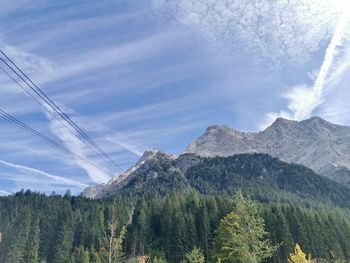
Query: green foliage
[[175, 224], [37, 228], [265, 179], [33, 244], [81, 255], [241, 236], [74, 229], [159, 259], [260, 176], [194, 256], [111, 250]]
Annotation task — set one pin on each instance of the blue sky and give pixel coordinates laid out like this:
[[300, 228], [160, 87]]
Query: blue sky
[[145, 74]]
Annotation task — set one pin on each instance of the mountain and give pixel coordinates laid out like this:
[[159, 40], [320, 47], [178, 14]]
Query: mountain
[[263, 177], [101, 190], [318, 144]]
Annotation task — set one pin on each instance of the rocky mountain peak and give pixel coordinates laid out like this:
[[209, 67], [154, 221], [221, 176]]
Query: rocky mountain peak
[[217, 140], [317, 122], [314, 142], [217, 128], [282, 122], [147, 155], [222, 130]]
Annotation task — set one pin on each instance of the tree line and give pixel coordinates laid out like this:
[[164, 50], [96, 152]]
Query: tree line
[[175, 228]]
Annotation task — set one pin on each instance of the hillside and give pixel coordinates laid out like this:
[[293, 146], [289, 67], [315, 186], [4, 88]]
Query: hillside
[[260, 175]]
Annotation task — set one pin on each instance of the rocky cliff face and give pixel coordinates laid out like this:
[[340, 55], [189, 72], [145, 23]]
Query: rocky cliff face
[[315, 143]]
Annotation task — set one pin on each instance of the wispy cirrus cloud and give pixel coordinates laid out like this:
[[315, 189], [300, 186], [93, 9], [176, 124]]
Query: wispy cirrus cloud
[[303, 99], [37, 66], [59, 179], [91, 66], [34, 65], [71, 140], [275, 32]]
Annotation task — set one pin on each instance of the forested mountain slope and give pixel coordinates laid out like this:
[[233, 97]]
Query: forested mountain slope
[[261, 176]]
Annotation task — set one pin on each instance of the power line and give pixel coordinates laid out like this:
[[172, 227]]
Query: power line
[[43, 106], [39, 102], [55, 108], [38, 134], [34, 98]]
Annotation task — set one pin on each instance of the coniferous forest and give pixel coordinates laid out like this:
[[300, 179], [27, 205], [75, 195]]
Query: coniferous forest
[[183, 226]]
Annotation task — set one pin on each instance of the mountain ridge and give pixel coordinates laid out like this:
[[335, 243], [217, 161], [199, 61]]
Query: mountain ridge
[[315, 143], [263, 177]]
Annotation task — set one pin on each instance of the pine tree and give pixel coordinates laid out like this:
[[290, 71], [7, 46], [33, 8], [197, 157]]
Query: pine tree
[[299, 256], [17, 249], [241, 236], [63, 249], [33, 245], [194, 256]]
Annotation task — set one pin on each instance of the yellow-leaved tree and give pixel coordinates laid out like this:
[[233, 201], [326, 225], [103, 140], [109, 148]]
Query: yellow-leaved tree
[[299, 256]]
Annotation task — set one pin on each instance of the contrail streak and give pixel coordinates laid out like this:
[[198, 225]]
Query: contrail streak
[[303, 100], [39, 172], [331, 52], [97, 174]]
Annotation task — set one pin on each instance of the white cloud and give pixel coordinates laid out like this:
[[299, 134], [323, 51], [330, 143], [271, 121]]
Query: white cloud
[[75, 145], [125, 143], [3, 193], [107, 56], [59, 179], [47, 71], [273, 31], [33, 65], [336, 109], [303, 100]]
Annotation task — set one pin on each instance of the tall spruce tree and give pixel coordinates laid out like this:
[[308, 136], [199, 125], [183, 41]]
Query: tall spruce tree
[[241, 236], [33, 244]]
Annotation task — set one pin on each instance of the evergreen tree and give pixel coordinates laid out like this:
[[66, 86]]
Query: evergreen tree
[[241, 236], [33, 245], [17, 250], [63, 249], [194, 256]]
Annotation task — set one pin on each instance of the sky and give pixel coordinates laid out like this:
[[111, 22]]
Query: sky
[[154, 74]]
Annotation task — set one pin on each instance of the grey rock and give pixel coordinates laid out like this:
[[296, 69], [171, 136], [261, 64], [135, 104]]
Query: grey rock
[[315, 143]]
